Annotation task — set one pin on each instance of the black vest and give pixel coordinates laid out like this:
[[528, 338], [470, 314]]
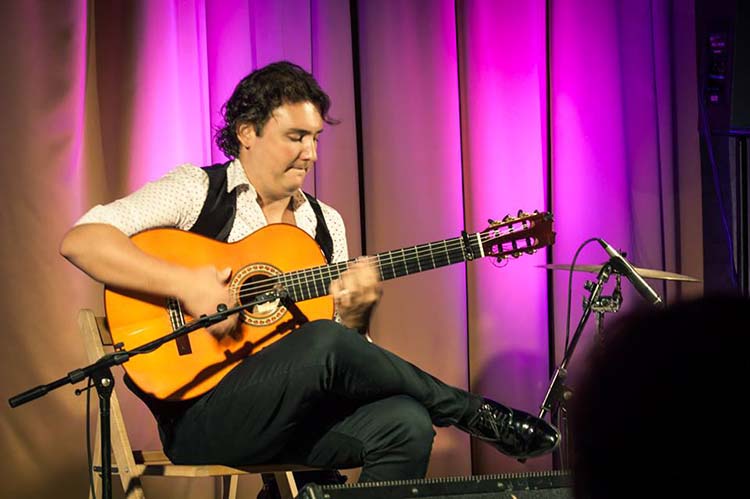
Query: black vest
[[220, 208]]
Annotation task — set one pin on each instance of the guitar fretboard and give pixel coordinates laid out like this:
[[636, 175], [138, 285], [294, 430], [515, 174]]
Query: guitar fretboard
[[314, 282]]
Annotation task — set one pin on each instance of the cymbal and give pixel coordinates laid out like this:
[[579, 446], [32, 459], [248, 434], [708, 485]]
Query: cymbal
[[645, 273]]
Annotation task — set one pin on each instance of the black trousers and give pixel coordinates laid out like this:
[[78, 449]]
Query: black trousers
[[325, 397]]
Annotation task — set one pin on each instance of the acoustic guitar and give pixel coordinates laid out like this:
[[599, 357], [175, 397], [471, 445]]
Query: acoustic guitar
[[278, 256]]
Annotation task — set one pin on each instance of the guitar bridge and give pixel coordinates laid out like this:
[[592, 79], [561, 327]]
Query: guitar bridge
[[177, 320]]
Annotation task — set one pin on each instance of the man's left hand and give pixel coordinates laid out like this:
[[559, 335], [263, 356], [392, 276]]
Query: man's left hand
[[356, 292]]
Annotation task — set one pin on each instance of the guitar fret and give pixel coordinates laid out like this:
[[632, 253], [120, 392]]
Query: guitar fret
[[412, 262], [314, 281], [438, 255], [289, 286], [298, 285], [385, 266], [295, 285], [296, 291], [396, 265], [330, 275], [432, 257], [425, 258], [419, 265], [307, 285], [334, 271], [312, 284], [448, 252], [460, 253], [284, 285], [298, 278], [322, 291]]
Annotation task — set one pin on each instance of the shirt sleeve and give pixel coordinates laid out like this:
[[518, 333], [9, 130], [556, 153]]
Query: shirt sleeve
[[174, 200]]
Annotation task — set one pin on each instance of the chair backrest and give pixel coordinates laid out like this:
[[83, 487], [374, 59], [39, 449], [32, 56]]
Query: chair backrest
[[132, 464]]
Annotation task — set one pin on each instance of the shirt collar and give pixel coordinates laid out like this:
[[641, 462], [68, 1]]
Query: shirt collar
[[236, 177]]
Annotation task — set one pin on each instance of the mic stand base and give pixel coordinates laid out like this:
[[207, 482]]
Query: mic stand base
[[101, 375], [557, 393]]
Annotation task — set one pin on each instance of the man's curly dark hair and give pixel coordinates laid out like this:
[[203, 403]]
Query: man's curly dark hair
[[262, 91]]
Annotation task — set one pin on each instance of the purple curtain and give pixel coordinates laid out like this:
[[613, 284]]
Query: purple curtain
[[466, 110]]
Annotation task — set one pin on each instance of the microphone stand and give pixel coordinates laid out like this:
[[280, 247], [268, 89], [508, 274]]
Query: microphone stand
[[101, 375], [607, 304], [558, 393]]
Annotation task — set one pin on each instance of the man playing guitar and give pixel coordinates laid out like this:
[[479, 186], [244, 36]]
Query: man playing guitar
[[322, 396]]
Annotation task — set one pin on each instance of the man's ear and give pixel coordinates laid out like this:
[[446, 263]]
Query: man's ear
[[246, 135]]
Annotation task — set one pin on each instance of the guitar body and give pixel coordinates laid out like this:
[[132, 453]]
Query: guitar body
[[195, 363]]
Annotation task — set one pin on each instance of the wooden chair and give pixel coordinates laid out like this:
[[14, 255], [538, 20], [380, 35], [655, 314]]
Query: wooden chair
[[132, 464]]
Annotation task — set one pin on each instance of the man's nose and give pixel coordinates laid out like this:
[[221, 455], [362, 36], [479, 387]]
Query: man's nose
[[310, 150]]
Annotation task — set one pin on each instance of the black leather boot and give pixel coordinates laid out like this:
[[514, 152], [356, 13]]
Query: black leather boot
[[514, 433]]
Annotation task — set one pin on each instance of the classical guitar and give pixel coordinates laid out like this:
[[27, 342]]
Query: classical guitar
[[278, 256]]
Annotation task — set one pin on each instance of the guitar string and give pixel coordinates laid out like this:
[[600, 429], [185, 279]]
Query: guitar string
[[303, 276], [306, 277]]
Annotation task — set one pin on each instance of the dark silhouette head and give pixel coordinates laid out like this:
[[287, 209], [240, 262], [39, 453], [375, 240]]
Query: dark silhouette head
[[658, 410]]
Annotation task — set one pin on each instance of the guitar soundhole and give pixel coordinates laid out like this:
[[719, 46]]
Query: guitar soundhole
[[251, 282]]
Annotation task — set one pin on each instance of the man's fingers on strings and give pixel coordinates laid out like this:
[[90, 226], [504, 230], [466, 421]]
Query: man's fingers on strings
[[339, 292]]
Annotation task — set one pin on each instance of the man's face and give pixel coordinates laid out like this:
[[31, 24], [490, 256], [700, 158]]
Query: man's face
[[281, 156]]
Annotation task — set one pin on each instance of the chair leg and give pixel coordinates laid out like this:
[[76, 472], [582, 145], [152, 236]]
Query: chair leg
[[287, 484], [134, 489], [228, 485]]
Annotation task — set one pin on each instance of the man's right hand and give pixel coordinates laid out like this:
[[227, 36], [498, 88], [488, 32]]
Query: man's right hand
[[204, 289], [110, 257]]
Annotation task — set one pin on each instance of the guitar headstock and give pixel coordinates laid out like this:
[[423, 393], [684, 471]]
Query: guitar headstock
[[514, 236]]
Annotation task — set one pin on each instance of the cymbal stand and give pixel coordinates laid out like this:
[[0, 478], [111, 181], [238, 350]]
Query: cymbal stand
[[558, 393]]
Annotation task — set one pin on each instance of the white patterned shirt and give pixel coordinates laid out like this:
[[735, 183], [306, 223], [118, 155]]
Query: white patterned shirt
[[176, 200]]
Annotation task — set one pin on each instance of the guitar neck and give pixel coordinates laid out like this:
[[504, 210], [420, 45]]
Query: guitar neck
[[314, 282]]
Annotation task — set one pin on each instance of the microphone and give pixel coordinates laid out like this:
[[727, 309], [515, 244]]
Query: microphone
[[624, 267]]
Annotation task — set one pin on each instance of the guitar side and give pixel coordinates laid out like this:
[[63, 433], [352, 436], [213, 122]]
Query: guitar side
[[137, 318]]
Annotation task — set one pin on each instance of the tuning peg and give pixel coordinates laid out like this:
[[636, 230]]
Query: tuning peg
[[507, 218]]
